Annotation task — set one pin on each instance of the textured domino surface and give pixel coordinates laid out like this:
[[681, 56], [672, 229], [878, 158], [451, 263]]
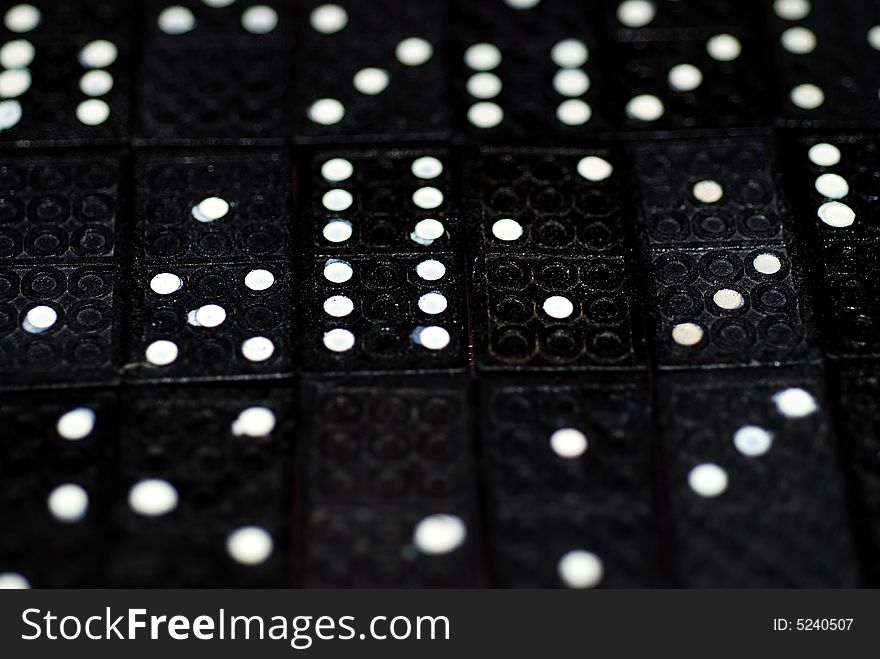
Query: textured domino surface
[[509, 293]]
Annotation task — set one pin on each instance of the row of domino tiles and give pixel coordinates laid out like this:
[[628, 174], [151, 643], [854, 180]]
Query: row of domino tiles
[[569, 54], [435, 534]]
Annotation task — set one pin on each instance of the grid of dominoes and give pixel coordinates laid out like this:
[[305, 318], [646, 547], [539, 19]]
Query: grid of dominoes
[[437, 284]]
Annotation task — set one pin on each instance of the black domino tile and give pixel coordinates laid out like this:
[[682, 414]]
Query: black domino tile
[[770, 323], [547, 227], [726, 284], [227, 477], [380, 455], [513, 329], [38, 459], [729, 93], [63, 235], [217, 80], [772, 525], [222, 345], [854, 160], [544, 504], [211, 260], [838, 207], [53, 108], [388, 301], [372, 225], [839, 42], [414, 105], [256, 185], [749, 210], [381, 207], [558, 209], [533, 107]]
